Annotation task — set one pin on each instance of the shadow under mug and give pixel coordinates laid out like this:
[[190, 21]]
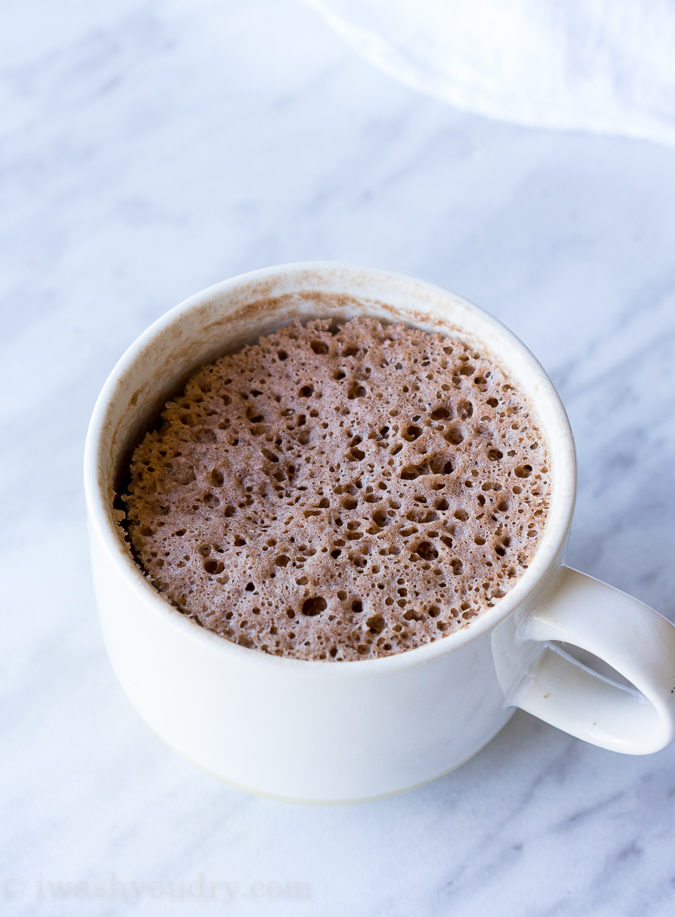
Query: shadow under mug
[[336, 731]]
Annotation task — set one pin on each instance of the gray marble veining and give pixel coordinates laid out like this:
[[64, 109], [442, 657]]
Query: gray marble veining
[[149, 149]]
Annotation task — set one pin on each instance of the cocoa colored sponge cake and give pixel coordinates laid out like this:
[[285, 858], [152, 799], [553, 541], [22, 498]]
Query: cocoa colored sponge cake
[[340, 491]]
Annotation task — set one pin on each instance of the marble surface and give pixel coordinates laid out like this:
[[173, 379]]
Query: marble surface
[[149, 149]]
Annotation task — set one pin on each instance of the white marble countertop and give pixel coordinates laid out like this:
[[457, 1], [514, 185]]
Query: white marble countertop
[[150, 149]]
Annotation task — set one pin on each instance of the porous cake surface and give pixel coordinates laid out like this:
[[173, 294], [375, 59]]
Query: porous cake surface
[[340, 491]]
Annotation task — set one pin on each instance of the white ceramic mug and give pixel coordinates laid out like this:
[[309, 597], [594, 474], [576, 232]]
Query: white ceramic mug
[[329, 731]]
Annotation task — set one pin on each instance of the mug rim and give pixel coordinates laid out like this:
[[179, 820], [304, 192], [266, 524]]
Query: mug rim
[[552, 540]]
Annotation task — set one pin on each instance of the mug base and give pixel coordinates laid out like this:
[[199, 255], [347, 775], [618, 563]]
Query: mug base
[[312, 801]]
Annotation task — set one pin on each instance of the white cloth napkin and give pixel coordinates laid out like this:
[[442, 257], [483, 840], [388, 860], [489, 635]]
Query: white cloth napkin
[[598, 65]]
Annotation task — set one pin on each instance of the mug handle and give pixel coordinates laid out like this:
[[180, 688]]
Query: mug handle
[[629, 636]]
